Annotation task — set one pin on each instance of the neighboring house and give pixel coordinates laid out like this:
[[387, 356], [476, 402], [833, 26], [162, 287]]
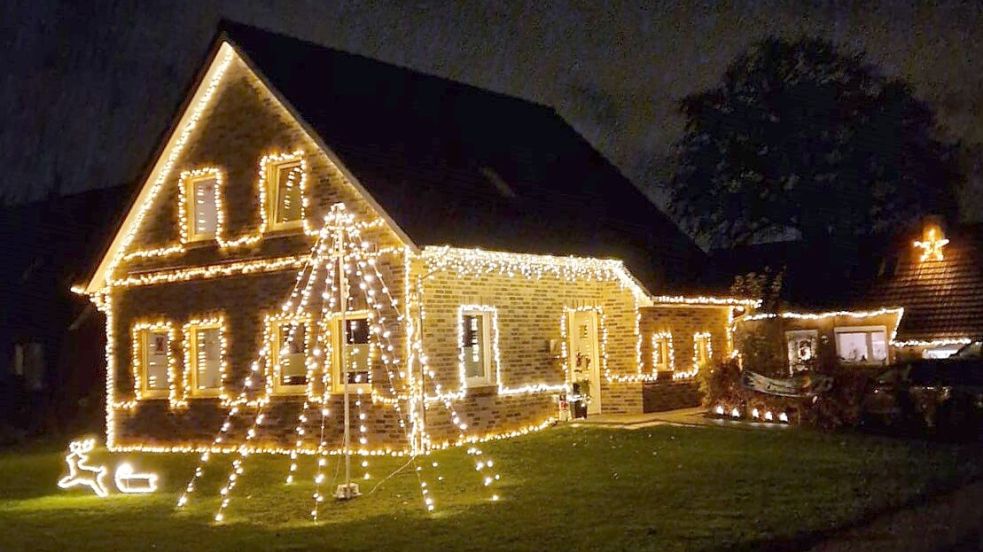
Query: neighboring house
[[500, 258], [920, 296], [51, 360]]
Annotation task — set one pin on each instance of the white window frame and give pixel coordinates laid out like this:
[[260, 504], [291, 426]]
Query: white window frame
[[868, 330], [191, 354], [274, 169], [142, 357], [276, 337], [487, 316], [337, 335], [191, 207]]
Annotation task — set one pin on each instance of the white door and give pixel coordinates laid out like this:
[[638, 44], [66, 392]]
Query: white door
[[585, 355]]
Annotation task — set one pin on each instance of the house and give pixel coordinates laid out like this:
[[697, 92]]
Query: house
[[321, 232], [51, 352], [918, 296]]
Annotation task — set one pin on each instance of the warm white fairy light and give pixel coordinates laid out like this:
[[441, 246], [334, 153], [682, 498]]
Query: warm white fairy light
[[932, 246], [162, 171], [478, 262], [187, 199], [933, 342], [243, 449], [141, 332], [194, 357], [702, 353], [662, 349], [705, 300], [207, 272], [861, 314]]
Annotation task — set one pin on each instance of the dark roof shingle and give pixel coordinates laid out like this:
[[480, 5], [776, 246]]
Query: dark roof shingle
[[942, 299], [456, 165]]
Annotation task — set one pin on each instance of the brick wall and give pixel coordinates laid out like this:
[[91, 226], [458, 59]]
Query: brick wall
[[244, 123], [529, 311], [682, 322]]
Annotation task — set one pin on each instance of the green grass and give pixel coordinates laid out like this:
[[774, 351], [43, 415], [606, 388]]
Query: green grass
[[664, 488]]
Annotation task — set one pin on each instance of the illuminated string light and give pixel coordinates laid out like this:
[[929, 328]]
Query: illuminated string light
[[128, 481], [702, 352], [932, 246], [141, 332], [80, 473]]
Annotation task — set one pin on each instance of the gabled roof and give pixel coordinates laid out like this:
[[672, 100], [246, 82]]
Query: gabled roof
[[452, 164], [942, 299], [456, 165]]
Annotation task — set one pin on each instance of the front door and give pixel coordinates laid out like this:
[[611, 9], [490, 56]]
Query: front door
[[585, 355]]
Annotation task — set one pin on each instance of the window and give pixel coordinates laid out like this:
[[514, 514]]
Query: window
[[357, 352], [801, 349], [662, 352], [475, 353], [205, 362], [153, 358], [862, 344], [202, 210], [287, 197], [702, 350], [289, 349]]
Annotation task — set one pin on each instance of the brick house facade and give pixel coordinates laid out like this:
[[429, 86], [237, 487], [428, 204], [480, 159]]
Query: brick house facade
[[200, 279]]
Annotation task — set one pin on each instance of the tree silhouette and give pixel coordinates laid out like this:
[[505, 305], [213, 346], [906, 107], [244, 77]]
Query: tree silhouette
[[802, 139]]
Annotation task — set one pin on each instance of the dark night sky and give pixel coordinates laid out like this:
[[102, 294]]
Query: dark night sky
[[86, 88]]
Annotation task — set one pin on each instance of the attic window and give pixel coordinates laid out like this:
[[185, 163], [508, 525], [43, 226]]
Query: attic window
[[286, 193], [204, 208], [498, 182]]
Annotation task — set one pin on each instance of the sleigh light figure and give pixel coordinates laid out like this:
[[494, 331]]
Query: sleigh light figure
[[79, 473], [130, 482]]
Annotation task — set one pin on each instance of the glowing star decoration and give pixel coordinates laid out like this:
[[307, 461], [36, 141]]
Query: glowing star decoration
[[932, 246], [130, 482], [79, 473]]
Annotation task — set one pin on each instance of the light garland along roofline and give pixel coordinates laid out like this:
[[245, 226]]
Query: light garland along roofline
[[164, 165], [899, 311], [933, 342], [820, 315], [703, 301], [473, 261]]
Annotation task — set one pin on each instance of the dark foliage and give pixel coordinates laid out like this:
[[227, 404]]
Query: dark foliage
[[802, 138]]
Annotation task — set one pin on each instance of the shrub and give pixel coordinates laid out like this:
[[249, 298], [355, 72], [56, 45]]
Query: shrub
[[836, 408]]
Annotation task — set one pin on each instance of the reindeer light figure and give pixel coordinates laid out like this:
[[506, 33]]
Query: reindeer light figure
[[81, 474]]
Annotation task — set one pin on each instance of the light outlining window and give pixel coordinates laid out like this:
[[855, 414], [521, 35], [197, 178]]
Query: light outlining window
[[282, 198], [200, 209], [477, 345], [205, 358], [153, 361], [283, 187], [290, 340], [663, 355], [702, 354], [359, 352]]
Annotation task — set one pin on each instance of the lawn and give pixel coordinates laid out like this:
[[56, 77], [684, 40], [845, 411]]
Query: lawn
[[665, 488]]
